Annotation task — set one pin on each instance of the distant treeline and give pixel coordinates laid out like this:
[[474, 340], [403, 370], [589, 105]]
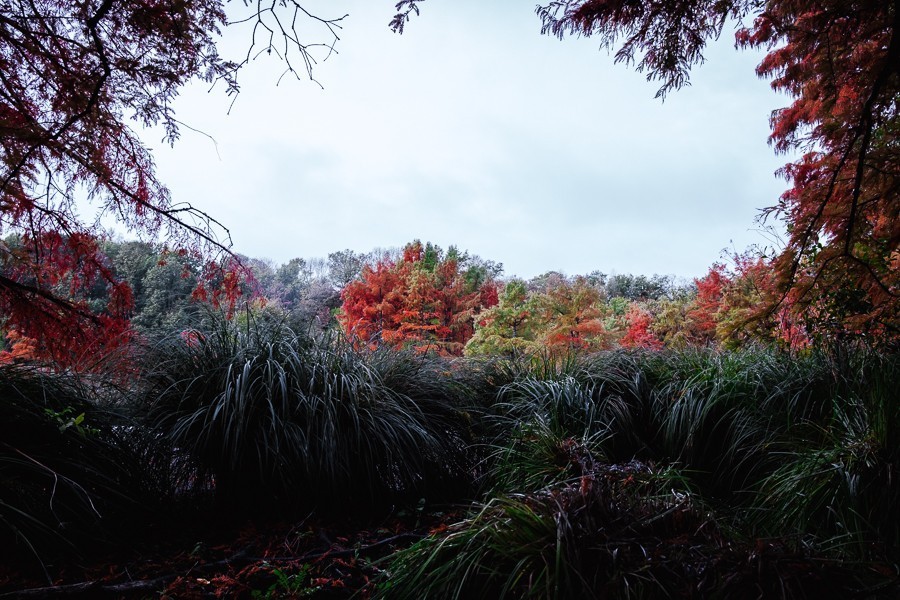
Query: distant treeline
[[454, 303]]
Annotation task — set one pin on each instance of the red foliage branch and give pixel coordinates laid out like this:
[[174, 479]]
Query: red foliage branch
[[71, 76], [840, 61]]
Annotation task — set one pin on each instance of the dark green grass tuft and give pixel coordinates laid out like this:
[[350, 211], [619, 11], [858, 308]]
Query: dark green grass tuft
[[838, 477], [805, 445], [274, 416]]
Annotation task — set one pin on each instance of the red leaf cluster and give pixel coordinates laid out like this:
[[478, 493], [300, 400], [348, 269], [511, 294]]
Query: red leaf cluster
[[638, 334], [423, 300]]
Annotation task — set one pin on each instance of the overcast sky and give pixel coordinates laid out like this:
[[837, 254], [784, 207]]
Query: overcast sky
[[472, 129]]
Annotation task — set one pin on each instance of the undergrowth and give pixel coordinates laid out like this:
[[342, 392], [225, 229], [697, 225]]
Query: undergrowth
[[634, 474]]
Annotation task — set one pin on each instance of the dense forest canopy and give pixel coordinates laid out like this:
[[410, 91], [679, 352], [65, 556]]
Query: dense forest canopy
[[448, 302]]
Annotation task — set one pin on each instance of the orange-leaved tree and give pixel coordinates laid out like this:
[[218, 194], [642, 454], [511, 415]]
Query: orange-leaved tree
[[425, 300], [571, 315]]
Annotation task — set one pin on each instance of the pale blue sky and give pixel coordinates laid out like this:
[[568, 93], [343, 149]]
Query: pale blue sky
[[472, 129]]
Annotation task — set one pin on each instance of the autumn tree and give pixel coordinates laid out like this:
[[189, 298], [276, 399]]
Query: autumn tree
[[48, 299], [639, 332], [73, 76], [507, 327], [670, 322], [751, 282], [702, 312], [20, 349], [426, 299], [841, 63], [571, 316], [551, 313], [723, 310], [372, 305]]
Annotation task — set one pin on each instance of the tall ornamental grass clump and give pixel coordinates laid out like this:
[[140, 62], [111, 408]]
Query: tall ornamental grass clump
[[566, 540], [272, 416], [71, 473], [615, 531], [691, 474], [839, 476], [701, 411], [802, 443]]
